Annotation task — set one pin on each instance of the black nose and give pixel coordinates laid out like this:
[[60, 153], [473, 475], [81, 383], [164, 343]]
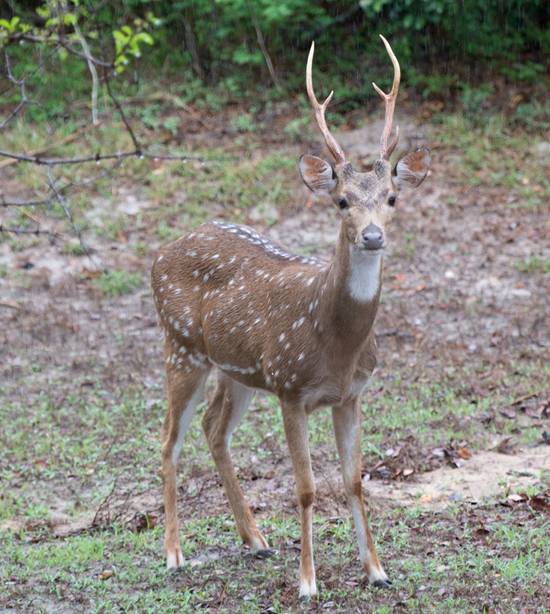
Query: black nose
[[373, 237]]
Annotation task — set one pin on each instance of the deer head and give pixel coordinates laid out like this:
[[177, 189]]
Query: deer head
[[365, 201]]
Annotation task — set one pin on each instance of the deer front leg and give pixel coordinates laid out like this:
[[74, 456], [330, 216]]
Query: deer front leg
[[347, 429], [295, 424]]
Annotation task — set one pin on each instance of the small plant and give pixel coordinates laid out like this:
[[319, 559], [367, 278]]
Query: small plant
[[243, 123], [73, 248], [295, 127], [533, 264], [116, 283]]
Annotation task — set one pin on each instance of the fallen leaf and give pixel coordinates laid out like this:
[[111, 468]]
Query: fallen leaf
[[464, 453], [505, 446], [106, 574], [508, 412], [517, 497], [90, 273]]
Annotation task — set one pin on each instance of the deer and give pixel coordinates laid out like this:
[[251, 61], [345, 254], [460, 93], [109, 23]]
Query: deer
[[230, 300]]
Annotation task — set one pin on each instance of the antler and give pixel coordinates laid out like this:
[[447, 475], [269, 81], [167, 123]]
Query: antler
[[389, 100], [319, 110]]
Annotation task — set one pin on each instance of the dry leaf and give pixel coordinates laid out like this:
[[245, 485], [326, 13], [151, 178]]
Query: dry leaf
[[508, 412], [517, 497]]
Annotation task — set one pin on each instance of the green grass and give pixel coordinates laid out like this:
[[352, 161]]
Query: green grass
[[122, 570], [116, 283], [493, 154], [534, 264]]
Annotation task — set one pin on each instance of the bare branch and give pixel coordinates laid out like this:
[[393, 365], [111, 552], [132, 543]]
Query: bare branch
[[68, 213], [23, 94], [93, 72], [60, 42], [119, 108], [136, 153], [30, 231]]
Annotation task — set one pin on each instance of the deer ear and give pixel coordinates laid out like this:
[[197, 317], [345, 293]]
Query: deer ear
[[317, 174], [412, 169]]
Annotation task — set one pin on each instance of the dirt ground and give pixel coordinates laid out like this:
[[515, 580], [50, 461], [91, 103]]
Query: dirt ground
[[460, 315]]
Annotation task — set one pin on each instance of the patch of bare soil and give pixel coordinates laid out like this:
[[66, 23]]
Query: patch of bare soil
[[486, 474]]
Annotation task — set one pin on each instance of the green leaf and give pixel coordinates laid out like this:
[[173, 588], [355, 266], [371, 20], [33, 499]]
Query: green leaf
[[70, 19]]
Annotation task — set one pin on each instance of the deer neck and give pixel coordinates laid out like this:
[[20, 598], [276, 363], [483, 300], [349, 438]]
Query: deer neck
[[352, 292]]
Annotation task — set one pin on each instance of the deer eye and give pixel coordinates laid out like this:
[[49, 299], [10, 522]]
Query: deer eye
[[391, 201], [343, 203]]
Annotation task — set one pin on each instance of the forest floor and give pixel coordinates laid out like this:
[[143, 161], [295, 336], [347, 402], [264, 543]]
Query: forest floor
[[456, 418]]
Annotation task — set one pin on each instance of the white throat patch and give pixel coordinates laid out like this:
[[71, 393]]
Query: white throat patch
[[364, 274]]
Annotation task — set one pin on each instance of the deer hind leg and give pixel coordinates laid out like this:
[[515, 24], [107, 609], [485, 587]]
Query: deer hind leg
[[185, 387], [224, 413], [347, 428], [295, 424]]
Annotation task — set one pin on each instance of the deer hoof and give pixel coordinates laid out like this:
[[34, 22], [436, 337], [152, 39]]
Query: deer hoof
[[263, 553], [382, 583], [174, 559]]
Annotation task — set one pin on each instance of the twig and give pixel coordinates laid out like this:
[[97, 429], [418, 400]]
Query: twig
[[30, 231], [21, 84], [263, 48], [68, 213], [25, 203], [105, 502], [10, 305], [137, 146], [93, 72], [136, 153], [60, 42], [525, 397], [68, 139]]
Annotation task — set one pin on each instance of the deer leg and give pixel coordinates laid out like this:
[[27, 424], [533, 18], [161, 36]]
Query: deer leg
[[295, 424], [184, 391], [347, 428], [224, 413]]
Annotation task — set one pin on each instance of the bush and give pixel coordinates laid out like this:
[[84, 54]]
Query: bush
[[237, 45]]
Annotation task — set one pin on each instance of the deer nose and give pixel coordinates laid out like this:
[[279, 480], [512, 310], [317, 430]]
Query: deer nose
[[373, 238]]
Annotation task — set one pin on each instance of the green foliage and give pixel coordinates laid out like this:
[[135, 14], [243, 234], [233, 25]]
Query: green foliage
[[447, 47]]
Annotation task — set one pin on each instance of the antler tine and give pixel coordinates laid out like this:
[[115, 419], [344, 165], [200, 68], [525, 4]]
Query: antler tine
[[389, 100], [319, 110]]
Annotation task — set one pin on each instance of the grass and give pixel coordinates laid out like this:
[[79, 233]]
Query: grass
[[494, 154], [120, 570], [79, 445], [533, 264], [116, 283]]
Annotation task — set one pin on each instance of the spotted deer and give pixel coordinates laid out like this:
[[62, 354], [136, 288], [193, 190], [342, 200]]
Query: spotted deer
[[263, 318]]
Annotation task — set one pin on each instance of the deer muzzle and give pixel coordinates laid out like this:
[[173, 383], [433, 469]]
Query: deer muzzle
[[373, 237]]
